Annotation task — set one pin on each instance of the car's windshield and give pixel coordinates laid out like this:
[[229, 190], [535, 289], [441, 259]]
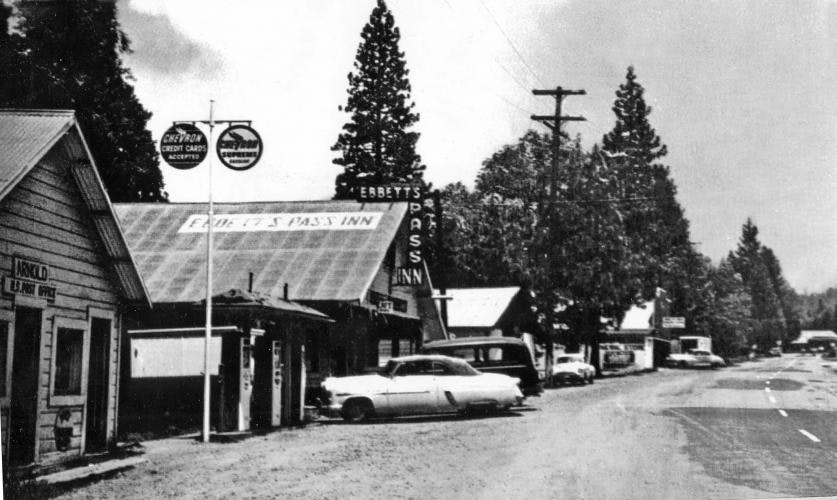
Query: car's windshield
[[565, 359]]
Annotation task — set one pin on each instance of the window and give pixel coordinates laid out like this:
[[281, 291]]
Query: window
[[69, 350], [69, 361]]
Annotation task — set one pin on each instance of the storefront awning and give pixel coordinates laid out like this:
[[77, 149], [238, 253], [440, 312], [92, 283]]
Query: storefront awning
[[237, 300]]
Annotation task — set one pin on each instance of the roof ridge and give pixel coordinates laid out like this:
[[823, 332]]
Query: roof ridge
[[256, 202], [37, 111]]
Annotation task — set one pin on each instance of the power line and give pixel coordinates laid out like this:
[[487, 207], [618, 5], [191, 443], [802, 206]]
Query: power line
[[511, 44], [522, 86], [513, 104]]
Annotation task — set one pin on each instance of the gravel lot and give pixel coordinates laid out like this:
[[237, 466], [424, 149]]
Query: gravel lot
[[614, 439]]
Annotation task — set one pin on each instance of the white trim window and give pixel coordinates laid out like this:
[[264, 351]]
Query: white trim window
[[71, 350]]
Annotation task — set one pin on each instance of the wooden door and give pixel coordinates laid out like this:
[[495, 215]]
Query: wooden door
[[23, 410], [96, 416]]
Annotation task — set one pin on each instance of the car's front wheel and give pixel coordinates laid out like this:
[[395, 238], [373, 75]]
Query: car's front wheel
[[356, 410]]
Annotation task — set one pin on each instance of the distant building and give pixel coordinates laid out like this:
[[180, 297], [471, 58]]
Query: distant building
[[68, 281], [814, 339], [485, 311]]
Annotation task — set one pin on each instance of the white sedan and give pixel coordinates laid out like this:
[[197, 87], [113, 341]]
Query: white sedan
[[572, 368], [416, 385], [695, 358]]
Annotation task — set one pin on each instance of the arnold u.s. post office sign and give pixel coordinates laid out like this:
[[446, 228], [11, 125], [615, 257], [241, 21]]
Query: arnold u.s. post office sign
[[29, 278], [239, 147], [183, 146]]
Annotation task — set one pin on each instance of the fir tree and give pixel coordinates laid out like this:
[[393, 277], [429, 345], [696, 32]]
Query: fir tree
[[760, 271], [632, 135], [68, 55], [376, 146], [656, 229]]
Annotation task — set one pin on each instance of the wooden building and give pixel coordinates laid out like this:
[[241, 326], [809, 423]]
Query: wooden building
[[337, 257], [68, 278], [490, 311]]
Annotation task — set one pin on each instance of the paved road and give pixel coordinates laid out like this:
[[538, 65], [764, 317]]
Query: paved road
[[764, 429]]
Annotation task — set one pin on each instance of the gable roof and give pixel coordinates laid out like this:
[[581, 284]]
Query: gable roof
[[306, 244], [26, 136], [807, 335], [478, 307]]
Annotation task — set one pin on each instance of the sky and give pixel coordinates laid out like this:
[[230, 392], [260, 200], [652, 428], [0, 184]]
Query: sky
[[744, 94]]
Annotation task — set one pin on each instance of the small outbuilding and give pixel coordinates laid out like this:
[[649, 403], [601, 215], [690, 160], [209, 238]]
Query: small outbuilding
[[68, 281]]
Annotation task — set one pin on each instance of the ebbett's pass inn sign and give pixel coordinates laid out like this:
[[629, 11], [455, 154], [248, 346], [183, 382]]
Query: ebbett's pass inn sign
[[412, 273], [183, 146], [29, 278]]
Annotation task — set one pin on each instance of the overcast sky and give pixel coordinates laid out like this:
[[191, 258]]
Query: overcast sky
[[744, 93]]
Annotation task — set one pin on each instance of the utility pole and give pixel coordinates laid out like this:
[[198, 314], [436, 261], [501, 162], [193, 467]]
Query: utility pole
[[553, 122]]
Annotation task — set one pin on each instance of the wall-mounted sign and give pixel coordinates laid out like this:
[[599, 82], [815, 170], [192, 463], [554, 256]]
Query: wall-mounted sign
[[311, 221], [239, 147], [183, 146], [29, 278], [412, 272], [395, 304], [674, 322]]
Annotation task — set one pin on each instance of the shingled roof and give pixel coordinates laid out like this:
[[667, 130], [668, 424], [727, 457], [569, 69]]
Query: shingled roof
[[325, 250]]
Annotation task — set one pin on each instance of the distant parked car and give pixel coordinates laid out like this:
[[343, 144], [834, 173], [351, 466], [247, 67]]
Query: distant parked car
[[695, 358], [416, 385], [507, 355], [571, 368], [774, 352]]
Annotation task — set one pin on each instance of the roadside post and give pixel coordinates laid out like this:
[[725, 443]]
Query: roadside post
[[184, 146]]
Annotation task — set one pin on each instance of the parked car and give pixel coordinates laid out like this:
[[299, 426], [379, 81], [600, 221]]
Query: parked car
[[507, 355], [774, 352], [695, 358], [416, 385], [571, 368]]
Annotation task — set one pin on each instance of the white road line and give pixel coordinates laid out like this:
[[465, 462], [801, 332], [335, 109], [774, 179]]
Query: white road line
[[809, 435], [772, 399], [767, 390], [783, 413]]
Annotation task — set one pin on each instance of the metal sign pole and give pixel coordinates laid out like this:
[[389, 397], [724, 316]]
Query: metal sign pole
[[183, 146], [208, 336]]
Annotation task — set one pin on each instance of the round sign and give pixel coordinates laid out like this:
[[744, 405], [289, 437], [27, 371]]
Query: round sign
[[239, 147], [183, 146]]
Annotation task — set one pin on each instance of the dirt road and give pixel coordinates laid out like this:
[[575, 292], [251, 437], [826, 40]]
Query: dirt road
[[669, 434]]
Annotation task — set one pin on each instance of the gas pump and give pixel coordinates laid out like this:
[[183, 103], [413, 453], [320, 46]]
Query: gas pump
[[245, 387], [276, 387]]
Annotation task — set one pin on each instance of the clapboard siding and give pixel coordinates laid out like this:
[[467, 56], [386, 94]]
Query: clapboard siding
[[44, 218]]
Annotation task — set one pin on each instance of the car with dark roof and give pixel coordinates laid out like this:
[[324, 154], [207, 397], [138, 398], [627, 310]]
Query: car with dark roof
[[507, 355]]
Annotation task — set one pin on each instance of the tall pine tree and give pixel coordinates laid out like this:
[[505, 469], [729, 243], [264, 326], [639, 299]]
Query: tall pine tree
[[633, 135], [69, 55], [376, 146], [655, 225]]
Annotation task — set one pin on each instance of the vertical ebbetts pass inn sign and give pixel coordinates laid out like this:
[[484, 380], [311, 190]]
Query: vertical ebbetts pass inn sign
[[412, 273]]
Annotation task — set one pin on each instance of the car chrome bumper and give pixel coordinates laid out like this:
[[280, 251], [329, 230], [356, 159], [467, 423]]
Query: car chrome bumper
[[330, 411]]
